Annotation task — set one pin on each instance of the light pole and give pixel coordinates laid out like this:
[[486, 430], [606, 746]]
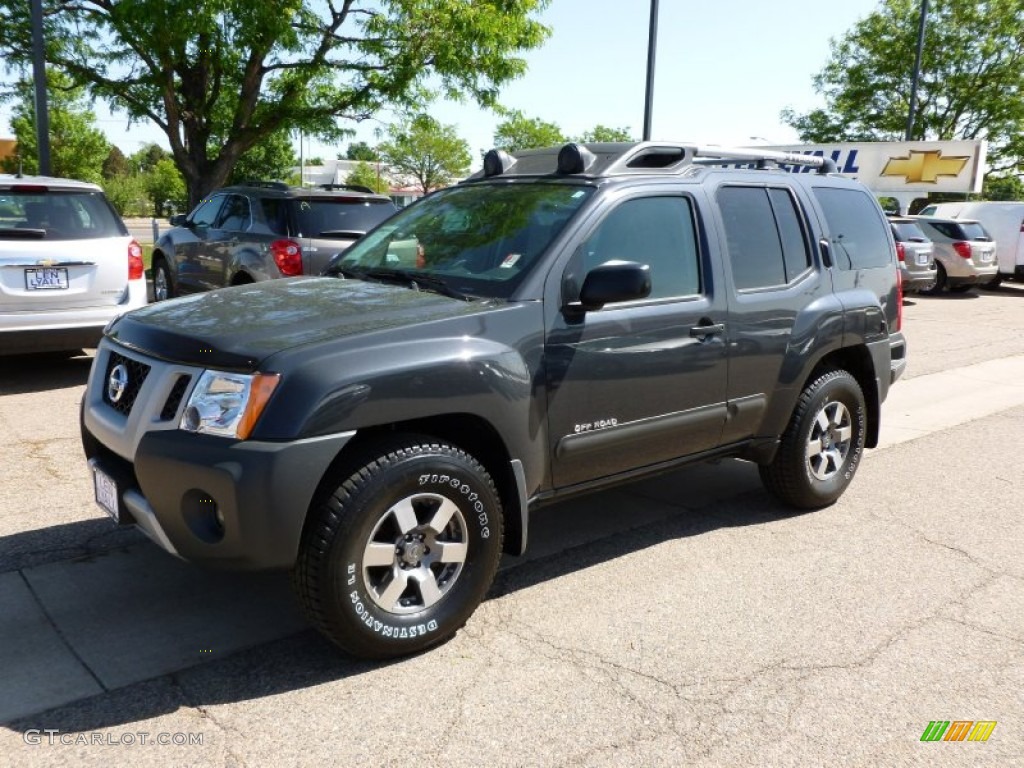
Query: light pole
[[917, 71], [652, 44], [39, 73]]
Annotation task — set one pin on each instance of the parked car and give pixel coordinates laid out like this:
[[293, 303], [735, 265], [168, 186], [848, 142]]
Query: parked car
[[916, 254], [565, 320], [67, 265], [965, 254], [261, 231], [1003, 220]]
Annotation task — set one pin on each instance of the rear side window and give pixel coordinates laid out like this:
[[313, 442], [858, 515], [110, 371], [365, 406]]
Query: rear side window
[[857, 233], [766, 241], [967, 230], [82, 215], [234, 215], [326, 217], [908, 232], [275, 213]]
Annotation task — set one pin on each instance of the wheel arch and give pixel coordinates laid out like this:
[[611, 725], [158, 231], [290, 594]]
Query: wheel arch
[[470, 432], [857, 362]]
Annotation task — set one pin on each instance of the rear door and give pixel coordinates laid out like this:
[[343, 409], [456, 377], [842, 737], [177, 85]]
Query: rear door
[[60, 249]]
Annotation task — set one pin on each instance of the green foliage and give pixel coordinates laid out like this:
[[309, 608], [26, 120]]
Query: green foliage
[[602, 133], [369, 175], [1003, 188], [360, 150], [220, 77], [518, 132], [146, 158], [128, 194], [77, 147], [165, 187], [116, 164], [423, 149], [272, 158], [972, 74]]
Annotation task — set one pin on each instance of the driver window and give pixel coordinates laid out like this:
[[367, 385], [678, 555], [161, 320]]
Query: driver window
[[657, 231], [206, 213]]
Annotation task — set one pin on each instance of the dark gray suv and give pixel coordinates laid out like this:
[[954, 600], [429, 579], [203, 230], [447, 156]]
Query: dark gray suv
[[260, 231], [566, 320]]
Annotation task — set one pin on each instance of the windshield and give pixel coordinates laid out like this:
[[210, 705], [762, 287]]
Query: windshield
[[57, 215], [480, 239], [338, 216]]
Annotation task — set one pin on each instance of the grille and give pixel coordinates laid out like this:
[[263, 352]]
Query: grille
[[170, 408], [137, 373]]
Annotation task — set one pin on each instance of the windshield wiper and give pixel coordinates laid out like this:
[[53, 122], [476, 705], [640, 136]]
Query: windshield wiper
[[415, 280], [23, 233]]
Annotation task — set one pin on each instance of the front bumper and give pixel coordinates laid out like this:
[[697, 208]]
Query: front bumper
[[229, 504]]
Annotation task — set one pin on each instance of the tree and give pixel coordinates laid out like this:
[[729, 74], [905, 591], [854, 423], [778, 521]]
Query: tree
[[146, 158], [1003, 188], [518, 132], [368, 175], [128, 194], [217, 78], [164, 186], [602, 133], [116, 164], [972, 73], [77, 147], [272, 158], [360, 150], [423, 149]]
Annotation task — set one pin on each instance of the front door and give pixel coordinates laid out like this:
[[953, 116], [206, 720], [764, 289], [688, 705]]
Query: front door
[[635, 384]]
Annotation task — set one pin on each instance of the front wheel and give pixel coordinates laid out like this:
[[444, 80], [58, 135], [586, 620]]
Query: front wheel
[[400, 553], [163, 288], [822, 445]]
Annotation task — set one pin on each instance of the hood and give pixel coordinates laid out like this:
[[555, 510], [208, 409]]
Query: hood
[[236, 328]]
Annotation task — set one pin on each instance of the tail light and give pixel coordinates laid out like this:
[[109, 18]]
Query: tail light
[[136, 268], [288, 257], [901, 252], [962, 248], [899, 300]]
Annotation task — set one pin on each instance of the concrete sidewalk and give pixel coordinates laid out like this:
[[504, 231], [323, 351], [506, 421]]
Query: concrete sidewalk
[[78, 628]]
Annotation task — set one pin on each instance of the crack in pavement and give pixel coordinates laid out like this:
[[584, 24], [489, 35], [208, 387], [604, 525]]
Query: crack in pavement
[[205, 714]]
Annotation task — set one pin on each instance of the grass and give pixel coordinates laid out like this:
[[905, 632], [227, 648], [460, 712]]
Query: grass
[[147, 257]]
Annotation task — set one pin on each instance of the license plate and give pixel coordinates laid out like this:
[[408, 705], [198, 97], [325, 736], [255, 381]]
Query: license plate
[[986, 256], [46, 279], [106, 494], [922, 258]]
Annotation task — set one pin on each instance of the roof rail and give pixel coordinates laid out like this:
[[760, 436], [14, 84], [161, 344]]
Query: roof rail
[[666, 155], [350, 187], [263, 184]]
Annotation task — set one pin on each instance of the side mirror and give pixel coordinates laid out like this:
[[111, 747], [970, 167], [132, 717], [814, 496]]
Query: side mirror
[[179, 220], [612, 282]]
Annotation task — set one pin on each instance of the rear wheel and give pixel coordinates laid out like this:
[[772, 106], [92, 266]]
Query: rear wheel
[[822, 445], [400, 553], [940, 281]]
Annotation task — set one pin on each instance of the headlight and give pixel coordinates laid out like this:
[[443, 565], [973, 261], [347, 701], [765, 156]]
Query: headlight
[[228, 404]]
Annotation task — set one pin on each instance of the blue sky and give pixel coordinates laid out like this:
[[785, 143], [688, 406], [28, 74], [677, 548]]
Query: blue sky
[[724, 71]]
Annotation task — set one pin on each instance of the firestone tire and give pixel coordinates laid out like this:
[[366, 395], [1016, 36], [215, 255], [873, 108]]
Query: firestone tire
[[822, 445], [397, 556]]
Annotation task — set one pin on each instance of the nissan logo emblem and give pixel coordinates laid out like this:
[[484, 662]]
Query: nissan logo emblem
[[117, 383]]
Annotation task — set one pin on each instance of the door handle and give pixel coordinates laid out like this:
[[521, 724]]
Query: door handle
[[702, 331]]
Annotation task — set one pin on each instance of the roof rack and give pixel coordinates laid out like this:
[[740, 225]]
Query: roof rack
[[609, 159], [349, 187], [263, 184]]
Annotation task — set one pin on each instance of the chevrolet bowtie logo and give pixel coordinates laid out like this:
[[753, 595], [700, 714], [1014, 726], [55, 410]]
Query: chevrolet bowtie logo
[[924, 166]]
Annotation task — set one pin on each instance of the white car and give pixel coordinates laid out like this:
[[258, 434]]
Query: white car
[[67, 265]]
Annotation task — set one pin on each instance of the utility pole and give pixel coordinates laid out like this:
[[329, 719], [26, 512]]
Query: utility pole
[[39, 75], [917, 71], [652, 44]]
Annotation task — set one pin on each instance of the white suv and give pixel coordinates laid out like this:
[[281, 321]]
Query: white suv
[[67, 265]]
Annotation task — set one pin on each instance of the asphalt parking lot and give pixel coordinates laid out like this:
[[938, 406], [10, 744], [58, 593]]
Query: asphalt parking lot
[[687, 620]]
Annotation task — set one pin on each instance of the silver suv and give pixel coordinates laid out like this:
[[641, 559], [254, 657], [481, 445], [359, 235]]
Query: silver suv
[[915, 253], [964, 252], [259, 231], [67, 265]]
